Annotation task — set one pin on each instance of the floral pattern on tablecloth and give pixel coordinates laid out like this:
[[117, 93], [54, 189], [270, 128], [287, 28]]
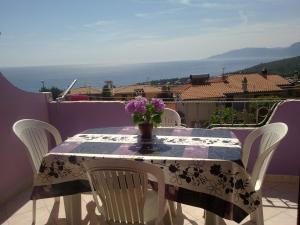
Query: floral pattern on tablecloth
[[223, 179], [168, 140]]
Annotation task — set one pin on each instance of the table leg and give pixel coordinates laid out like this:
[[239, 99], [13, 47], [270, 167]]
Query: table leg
[[73, 209], [211, 218]]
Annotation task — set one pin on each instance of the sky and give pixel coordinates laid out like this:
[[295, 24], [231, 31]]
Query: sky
[[112, 32]]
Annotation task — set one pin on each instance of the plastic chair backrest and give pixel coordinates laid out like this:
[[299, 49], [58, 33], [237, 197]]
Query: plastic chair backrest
[[121, 186], [271, 135], [170, 118], [34, 134]]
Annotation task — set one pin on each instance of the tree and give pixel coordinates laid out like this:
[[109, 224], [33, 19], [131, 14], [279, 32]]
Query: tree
[[226, 115], [54, 90], [107, 92], [166, 93]]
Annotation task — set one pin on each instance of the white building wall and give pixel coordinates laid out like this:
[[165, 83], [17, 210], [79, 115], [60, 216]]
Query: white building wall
[[196, 112]]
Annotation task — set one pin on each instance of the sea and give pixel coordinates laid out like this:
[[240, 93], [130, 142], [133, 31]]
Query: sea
[[61, 76]]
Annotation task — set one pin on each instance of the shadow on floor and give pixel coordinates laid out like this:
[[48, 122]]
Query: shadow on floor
[[179, 220], [92, 218], [18, 202]]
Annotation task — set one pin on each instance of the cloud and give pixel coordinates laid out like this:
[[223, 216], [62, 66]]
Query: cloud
[[157, 13], [244, 17], [67, 39], [210, 5], [98, 23], [205, 44], [142, 15], [185, 2], [212, 20], [150, 37]]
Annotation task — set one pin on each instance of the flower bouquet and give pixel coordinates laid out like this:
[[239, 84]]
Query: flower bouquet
[[145, 114]]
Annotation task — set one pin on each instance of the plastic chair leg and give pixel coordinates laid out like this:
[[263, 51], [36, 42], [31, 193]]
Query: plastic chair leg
[[172, 208], [175, 211], [167, 220], [258, 216], [33, 211], [211, 218], [179, 209]]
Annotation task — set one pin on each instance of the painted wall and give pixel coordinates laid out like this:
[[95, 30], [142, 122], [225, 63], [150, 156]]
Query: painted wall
[[196, 113], [71, 118], [15, 169]]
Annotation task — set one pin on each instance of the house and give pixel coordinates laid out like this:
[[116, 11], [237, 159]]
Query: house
[[225, 87], [131, 91], [92, 92]]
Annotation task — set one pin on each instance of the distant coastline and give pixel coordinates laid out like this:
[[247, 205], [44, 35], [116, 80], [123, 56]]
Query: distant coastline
[[29, 78]]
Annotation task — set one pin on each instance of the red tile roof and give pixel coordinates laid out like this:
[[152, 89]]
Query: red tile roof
[[131, 89], [85, 90], [218, 88], [278, 80]]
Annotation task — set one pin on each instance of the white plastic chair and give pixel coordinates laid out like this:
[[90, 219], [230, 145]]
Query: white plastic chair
[[271, 136], [170, 118], [122, 188], [34, 134]]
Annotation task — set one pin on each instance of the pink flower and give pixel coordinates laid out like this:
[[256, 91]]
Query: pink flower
[[130, 107], [158, 104], [140, 106], [144, 111]]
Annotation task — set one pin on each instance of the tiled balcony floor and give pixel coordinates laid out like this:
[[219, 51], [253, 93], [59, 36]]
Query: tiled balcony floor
[[280, 205]]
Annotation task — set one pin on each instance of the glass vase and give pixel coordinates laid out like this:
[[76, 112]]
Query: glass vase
[[146, 131]]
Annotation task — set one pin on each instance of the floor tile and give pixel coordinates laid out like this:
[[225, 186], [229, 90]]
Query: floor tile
[[291, 212], [27, 207], [42, 217], [87, 197], [280, 203], [281, 218], [194, 212]]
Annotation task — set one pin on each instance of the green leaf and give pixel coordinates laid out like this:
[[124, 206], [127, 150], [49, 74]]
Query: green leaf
[[156, 118], [137, 118]]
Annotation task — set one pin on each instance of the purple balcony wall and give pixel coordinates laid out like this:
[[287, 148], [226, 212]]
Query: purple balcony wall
[[71, 118], [15, 169], [286, 159]]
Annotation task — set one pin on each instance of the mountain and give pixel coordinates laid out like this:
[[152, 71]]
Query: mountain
[[285, 67], [261, 53]]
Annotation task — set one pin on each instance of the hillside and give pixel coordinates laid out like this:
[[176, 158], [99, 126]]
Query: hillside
[[285, 67], [275, 53]]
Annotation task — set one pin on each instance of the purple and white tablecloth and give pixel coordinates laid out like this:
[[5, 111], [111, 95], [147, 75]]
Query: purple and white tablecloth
[[202, 167]]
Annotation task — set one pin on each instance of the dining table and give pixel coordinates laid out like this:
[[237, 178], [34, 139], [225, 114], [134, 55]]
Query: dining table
[[202, 167]]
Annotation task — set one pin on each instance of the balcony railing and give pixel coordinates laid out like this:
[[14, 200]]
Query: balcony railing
[[218, 112], [233, 113]]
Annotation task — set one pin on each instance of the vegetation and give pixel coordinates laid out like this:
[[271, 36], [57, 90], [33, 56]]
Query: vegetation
[[225, 115], [171, 81], [284, 67], [244, 113], [54, 90], [107, 92], [166, 93]]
